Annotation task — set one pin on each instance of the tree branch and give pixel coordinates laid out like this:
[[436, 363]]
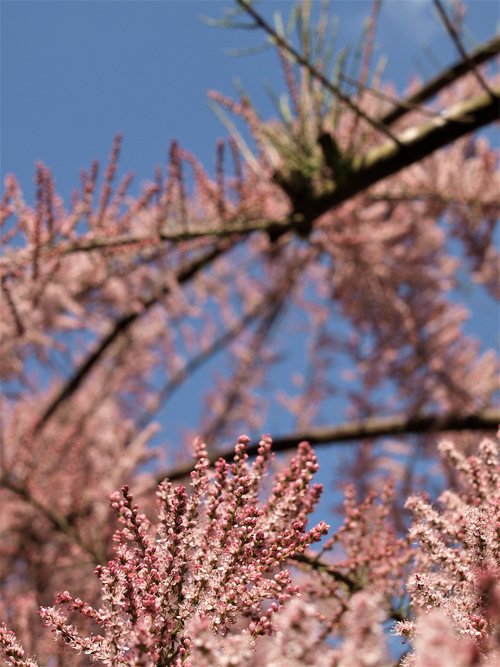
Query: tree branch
[[314, 563], [380, 162], [416, 144], [487, 420], [240, 225], [122, 325], [352, 586], [483, 53], [282, 43], [58, 521]]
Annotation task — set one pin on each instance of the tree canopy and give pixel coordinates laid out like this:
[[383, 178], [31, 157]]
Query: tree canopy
[[333, 240]]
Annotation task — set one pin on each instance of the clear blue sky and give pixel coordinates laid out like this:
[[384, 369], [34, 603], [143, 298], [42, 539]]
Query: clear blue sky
[[73, 73]]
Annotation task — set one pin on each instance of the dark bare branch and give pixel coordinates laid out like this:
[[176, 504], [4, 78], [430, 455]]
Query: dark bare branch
[[482, 54], [487, 420]]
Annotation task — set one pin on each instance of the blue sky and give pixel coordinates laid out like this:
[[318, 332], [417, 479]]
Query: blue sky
[[75, 72]]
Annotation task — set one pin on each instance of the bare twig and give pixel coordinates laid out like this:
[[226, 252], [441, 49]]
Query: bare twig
[[458, 43], [401, 105]]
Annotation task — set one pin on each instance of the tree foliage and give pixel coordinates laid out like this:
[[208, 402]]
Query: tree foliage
[[347, 221]]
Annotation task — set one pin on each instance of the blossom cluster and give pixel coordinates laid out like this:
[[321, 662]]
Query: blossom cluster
[[209, 582], [457, 568], [211, 561]]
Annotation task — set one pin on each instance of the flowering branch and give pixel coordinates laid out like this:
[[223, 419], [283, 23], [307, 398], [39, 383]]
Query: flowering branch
[[58, 521], [214, 557], [415, 144], [193, 589], [458, 561], [484, 52], [122, 325], [12, 651]]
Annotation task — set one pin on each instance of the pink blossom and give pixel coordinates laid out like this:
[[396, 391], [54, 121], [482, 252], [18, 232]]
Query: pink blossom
[[214, 555]]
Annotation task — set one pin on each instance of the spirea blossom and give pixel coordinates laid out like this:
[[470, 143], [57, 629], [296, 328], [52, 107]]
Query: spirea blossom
[[212, 562]]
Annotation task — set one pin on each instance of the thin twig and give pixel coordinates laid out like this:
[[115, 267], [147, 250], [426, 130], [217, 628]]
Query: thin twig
[[365, 67], [313, 71], [401, 105], [458, 43]]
